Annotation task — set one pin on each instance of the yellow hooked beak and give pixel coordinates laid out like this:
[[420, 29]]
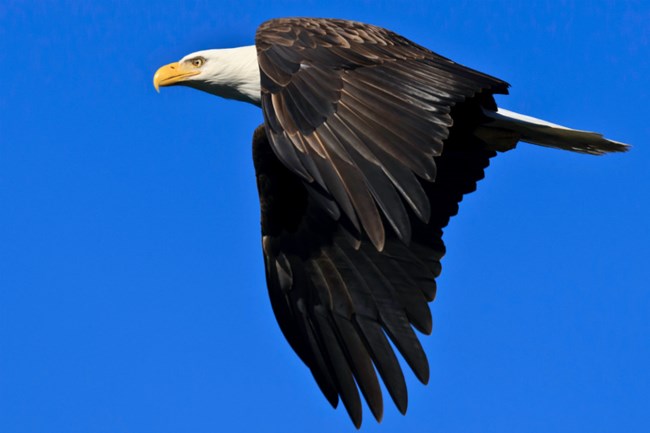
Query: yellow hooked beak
[[171, 74]]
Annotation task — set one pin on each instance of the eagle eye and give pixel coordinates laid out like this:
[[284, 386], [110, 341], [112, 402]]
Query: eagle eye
[[197, 62]]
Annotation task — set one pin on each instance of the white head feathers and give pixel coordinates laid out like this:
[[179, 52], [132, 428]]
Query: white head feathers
[[231, 73]]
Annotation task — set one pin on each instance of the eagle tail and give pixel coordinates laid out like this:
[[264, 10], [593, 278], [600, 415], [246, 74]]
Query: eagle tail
[[536, 131]]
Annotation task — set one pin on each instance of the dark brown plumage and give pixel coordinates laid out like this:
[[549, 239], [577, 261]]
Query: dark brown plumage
[[336, 296], [325, 84], [369, 143], [351, 216]]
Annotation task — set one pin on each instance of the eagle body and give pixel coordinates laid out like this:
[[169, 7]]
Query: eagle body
[[368, 145]]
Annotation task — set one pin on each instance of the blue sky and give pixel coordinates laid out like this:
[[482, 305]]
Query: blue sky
[[132, 294]]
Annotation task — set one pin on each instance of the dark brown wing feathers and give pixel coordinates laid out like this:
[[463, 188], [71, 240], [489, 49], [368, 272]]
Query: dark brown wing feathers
[[359, 169], [331, 293], [331, 86]]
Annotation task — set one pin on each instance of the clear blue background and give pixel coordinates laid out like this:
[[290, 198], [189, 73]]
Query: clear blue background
[[132, 294]]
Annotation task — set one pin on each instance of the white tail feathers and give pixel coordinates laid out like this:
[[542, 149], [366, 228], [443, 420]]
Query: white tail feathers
[[537, 131]]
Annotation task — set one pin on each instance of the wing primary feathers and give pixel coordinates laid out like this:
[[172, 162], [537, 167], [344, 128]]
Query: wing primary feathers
[[361, 365], [390, 311], [373, 336], [319, 367], [343, 315], [413, 265], [406, 289], [385, 361], [395, 321], [342, 373]]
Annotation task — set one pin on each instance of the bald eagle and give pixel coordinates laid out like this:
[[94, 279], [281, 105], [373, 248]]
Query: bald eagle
[[369, 143]]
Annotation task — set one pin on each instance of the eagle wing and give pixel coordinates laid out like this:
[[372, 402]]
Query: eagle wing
[[337, 299], [359, 169], [359, 113]]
